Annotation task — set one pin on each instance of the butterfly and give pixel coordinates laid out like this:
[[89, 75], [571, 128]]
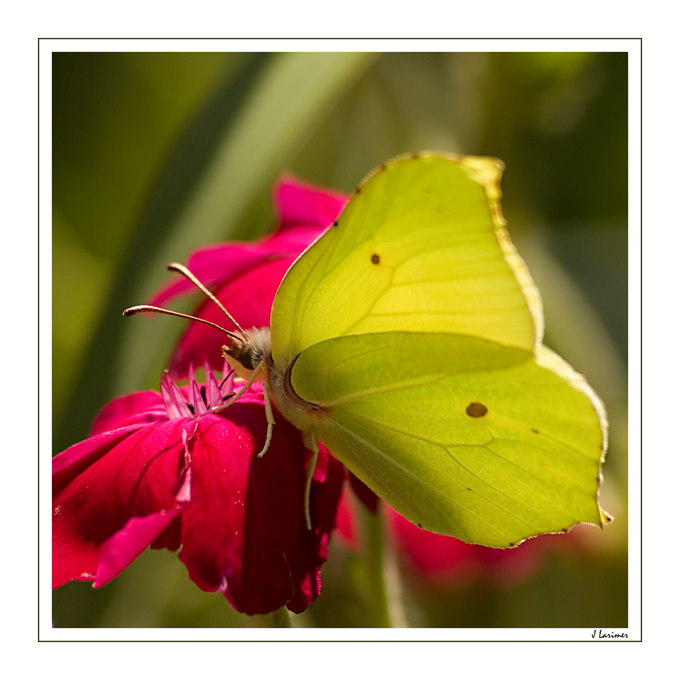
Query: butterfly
[[408, 340]]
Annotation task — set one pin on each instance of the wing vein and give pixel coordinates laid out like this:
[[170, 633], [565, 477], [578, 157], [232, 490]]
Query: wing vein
[[439, 491], [487, 447]]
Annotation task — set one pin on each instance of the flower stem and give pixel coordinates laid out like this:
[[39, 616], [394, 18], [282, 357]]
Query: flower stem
[[383, 591], [281, 618]]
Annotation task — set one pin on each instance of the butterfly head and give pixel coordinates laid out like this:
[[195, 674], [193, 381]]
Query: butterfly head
[[249, 349]]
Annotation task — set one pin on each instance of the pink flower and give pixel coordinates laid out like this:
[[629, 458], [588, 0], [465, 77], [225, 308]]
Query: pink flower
[[164, 470], [444, 561], [245, 276], [447, 561]]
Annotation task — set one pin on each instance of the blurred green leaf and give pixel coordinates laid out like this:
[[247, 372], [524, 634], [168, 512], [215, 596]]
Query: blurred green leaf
[[228, 155]]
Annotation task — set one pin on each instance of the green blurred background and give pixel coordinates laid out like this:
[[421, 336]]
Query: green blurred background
[[155, 154]]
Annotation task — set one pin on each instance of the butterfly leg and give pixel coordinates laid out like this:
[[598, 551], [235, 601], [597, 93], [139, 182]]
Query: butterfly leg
[[308, 483], [270, 420], [267, 406], [240, 393]]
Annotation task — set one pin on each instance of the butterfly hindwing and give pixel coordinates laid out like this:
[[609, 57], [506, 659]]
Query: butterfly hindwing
[[460, 435]]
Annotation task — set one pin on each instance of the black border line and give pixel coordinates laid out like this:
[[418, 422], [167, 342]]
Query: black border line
[[641, 334]]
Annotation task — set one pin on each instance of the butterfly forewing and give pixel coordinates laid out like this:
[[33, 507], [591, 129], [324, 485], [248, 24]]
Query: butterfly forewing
[[420, 247]]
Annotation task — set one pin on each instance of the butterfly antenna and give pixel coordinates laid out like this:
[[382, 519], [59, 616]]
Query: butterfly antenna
[[175, 266], [131, 311]]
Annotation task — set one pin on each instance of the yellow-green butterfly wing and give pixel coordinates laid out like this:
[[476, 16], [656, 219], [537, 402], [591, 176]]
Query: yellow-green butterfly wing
[[415, 330], [462, 436], [420, 247]]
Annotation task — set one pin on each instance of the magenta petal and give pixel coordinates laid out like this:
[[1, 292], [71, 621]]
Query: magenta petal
[[138, 408], [293, 239], [301, 203], [175, 404], [136, 477], [213, 389], [327, 484], [448, 561], [234, 258], [200, 407], [119, 551], [244, 531], [304, 211], [221, 263], [70, 463]]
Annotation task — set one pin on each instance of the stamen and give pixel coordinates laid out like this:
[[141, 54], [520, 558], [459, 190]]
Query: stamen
[[226, 377]]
